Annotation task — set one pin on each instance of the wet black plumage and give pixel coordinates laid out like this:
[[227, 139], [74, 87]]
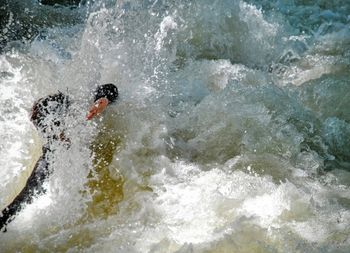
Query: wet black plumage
[[47, 116], [109, 91]]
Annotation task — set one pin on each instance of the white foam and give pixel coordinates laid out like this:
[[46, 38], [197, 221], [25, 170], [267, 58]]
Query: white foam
[[210, 140]]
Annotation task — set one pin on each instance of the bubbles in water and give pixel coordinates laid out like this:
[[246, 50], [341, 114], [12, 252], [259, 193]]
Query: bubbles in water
[[230, 133]]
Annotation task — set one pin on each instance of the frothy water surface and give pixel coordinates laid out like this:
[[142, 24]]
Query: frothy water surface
[[231, 133]]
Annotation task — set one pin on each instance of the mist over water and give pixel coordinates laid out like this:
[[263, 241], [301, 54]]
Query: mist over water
[[231, 134]]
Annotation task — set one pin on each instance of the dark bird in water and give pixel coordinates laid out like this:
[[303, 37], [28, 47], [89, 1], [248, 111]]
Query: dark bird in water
[[104, 95], [48, 115]]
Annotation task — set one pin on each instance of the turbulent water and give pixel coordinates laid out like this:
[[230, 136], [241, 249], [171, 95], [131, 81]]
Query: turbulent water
[[231, 134]]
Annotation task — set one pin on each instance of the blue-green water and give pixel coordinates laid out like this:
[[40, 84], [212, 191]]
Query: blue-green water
[[232, 132]]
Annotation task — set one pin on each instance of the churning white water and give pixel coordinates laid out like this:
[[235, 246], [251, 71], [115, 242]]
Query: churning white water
[[231, 134]]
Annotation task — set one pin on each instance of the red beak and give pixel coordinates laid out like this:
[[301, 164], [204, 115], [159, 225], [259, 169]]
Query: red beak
[[97, 108]]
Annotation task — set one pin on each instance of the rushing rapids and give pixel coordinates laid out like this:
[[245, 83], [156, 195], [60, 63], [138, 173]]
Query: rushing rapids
[[231, 134]]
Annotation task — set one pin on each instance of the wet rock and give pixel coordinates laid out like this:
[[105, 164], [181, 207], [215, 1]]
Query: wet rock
[[21, 21], [3, 12], [4, 17], [60, 2]]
